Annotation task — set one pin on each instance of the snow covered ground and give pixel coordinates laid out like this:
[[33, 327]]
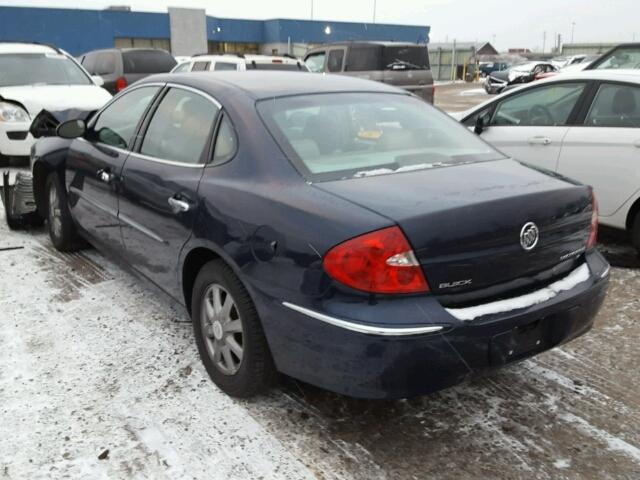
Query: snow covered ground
[[99, 378]]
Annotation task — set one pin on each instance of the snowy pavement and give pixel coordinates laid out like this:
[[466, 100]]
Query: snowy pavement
[[99, 378]]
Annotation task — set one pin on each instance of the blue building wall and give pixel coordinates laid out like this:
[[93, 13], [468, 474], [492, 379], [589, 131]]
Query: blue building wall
[[79, 31]]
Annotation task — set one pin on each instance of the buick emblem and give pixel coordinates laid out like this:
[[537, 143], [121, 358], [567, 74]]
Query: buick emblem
[[529, 236]]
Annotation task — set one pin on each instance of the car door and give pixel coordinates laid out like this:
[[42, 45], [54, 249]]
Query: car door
[[604, 150], [158, 201], [94, 164], [106, 67], [530, 125]]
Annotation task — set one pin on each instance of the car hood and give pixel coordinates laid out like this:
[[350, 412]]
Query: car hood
[[56, 97]]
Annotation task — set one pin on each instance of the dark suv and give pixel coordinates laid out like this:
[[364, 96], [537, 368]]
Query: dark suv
[[121, 67], [404, 65]]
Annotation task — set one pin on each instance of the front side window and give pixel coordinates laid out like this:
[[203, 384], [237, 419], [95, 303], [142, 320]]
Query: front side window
[[116, 125], [539, 107], [345, 135], [624, 57], [41, 69], [180, 127], [615, 105], [315, 62], [334, 63]]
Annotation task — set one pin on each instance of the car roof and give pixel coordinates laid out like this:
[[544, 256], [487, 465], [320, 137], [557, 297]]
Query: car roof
[[19, 47], [623, 75], [261, 84], [372, 42], [245, 58]]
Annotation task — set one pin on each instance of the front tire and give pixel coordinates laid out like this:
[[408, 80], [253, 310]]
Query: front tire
[[62, 231], [229, 334]]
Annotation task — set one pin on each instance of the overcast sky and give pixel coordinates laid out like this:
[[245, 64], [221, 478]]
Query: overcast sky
[[514, 23]]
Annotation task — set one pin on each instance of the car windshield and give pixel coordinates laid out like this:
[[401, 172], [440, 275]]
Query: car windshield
[[40, 69], [625, 57], [347, 135]]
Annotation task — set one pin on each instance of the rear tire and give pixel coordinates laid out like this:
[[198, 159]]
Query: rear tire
[[229, 333], [635, 233], [62, 230]]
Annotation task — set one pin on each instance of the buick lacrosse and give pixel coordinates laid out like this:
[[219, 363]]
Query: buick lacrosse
[[336, 230]]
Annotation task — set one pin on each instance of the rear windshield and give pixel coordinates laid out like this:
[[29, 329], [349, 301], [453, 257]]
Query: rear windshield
[[147, 61], [378, 57], [40, 69], [350, 135], [293, 67], [624, 57]]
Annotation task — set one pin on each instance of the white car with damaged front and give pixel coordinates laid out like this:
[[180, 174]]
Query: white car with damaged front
[[583, 125], [35, 77]]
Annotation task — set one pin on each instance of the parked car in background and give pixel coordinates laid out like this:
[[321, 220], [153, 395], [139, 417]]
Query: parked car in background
[[516, 75], [584, 126], [625, 56], [34, 77], [562, 62], [202, 63], [487, 68], [120, 67], [301, 218], [404, 65]]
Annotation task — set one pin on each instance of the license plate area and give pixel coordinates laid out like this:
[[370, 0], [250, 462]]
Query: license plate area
[[520, 342]]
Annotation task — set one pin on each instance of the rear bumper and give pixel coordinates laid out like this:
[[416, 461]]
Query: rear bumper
[[384, 364]]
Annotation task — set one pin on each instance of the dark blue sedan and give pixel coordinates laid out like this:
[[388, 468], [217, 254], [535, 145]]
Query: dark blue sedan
[[336, 230]]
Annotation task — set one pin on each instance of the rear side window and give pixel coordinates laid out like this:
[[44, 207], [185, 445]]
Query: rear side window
[[226, 142], [117, 123], [225, 66], [200, 66], [615, 106], [335, 60], [183, 67], [293, 67], [315, 62], [180, 127], [540, 107], [105, 63], [363, 59], [147, 61]]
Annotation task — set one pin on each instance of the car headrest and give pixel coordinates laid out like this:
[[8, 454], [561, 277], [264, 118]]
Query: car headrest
[[624, 102]]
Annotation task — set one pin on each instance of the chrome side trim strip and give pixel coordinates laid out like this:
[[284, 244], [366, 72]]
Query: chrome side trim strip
[[606, 271], [360, 328], [94, 202], [132, 223]]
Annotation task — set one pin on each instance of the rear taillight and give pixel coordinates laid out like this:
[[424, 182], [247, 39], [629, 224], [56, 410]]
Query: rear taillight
[[121, 84], [377, 262], [593, 234]]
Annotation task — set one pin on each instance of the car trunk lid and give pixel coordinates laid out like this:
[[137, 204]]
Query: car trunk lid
[[465, 223]]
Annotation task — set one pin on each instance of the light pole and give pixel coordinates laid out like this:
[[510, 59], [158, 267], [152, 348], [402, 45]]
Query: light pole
[[311, 9], [374, 11], [544, 40], [573, 27]]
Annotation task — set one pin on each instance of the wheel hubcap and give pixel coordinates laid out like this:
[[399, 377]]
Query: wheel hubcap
[[55, 219], [222, 329]]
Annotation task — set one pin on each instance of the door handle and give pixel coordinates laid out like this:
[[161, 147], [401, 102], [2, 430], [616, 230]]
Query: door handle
[[178, 205], [539, 141], [105, 176]]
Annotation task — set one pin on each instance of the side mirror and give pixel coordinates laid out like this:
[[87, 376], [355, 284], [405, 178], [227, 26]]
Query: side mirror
[[479, 126], [71, 129], [98, 80]]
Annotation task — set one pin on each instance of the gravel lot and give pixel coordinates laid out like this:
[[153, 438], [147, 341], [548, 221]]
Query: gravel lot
[[99, 378]]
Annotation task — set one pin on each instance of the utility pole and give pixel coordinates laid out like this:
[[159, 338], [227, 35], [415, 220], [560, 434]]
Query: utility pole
[[374, 11], [573, 27]]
